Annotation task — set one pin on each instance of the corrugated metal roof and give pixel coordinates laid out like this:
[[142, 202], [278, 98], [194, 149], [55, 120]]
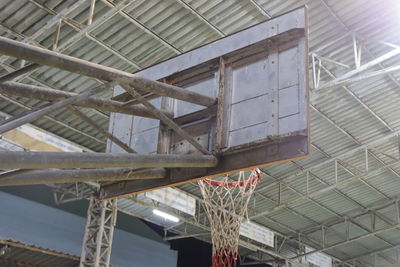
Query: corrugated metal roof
[[18, 254], [342, 118]]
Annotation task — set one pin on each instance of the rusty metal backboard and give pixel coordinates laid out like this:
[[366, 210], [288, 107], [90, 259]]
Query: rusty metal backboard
[[258, 75]]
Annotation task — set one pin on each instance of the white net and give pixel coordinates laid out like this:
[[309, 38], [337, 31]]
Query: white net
[[225, 203]]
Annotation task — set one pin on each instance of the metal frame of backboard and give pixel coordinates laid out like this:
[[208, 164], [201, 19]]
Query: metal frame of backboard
[[259, 76]]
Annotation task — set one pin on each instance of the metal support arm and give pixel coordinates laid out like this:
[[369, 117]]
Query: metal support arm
[[83, 67], [81, 175], [35, 114], [62, 160], [49, 94]]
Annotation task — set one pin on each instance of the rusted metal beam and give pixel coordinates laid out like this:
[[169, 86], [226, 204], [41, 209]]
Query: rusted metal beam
[[82, 175], [35, 114], [49, 94], [75, 65], [62, 160]]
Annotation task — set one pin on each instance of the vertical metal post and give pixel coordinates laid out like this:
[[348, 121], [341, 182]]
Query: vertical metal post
[[336, 172], [279, 193], [91, 11], [355, 51], [57, 36], [314, 71], [99, 231]]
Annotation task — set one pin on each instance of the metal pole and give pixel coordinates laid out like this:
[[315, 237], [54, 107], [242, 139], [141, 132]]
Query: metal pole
[[365, 76], [110, 136], [49, 94], [91, 11], [165, 119], [16, 73], [12, 173], [75, 65], [368, 65], [31, 116], [61, 160], [81, 175]]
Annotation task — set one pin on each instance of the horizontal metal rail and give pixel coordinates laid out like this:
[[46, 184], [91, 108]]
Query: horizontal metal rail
[[49, 94], [19, 72], [62, 160], [83, 67], [81, 175], [35, 114]]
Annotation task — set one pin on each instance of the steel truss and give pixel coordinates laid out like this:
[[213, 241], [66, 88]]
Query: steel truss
[[64, 193], [356, 173], [99, 230]]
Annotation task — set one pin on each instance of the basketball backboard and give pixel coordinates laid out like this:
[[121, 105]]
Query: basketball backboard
[[259, 76]]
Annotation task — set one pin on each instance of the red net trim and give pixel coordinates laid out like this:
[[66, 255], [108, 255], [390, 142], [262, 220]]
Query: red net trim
[[255, 179], [225, 258]]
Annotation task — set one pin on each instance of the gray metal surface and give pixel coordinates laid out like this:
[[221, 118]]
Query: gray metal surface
[[259, 77], [344, 120]]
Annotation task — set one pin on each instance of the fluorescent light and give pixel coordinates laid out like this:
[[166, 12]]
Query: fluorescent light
[[165, 215]]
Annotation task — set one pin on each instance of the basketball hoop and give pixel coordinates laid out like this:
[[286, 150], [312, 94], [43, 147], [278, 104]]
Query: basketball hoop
[[225, 203]]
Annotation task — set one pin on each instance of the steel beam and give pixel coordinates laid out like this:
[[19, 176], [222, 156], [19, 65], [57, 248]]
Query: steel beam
[[182, 133], [50, 24], [49, 94], [324, 190], [82, 175], [53, 119], [62, 160], [110, 136], [357, 238], [373, 252], [83, 67], [15, 74], [35, 114], [99, 231], [362, 68], [143, 27], [365, 76], [64, 193]]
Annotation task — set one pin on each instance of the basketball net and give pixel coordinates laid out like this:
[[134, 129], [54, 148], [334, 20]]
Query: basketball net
[[225, 203]]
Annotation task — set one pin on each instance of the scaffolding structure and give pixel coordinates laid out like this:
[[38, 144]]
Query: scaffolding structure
[[99, 230]]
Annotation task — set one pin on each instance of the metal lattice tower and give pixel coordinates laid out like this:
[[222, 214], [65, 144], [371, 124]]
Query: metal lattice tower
[[99, 230]]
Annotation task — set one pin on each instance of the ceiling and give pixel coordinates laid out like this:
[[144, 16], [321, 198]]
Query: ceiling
[[343, 199]]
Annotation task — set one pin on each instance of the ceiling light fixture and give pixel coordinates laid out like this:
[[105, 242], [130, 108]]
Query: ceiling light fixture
[[165, 215]]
